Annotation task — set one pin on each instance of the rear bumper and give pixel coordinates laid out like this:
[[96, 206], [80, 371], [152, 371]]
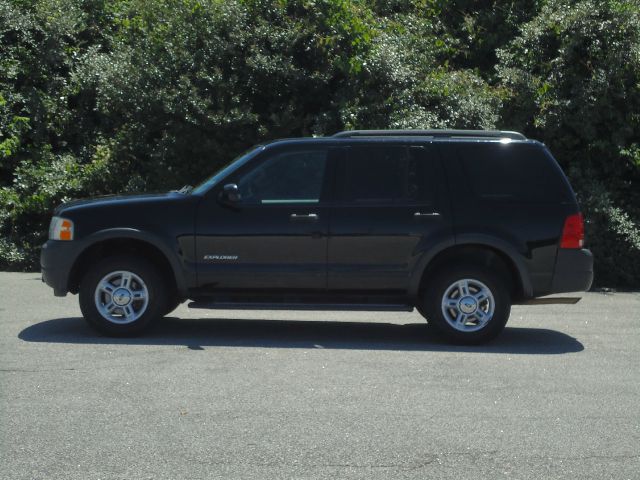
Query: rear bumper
[[573, 272], [56, 260]]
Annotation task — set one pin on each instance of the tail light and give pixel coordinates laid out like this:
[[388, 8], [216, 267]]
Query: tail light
[[573, 232]]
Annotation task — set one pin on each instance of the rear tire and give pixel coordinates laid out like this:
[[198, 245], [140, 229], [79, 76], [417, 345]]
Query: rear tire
[[122, 295], [467, 304]]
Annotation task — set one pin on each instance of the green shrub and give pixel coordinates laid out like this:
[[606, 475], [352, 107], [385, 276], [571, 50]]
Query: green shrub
[[26, 206], [573, 81], [108, 96]]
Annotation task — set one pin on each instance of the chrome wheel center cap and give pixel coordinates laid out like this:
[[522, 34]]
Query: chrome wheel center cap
[[121, 297], [468, 305]]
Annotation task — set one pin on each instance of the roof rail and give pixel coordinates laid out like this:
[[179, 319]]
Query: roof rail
[[432, 133]]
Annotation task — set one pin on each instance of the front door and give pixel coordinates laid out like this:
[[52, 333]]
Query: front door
[[273, 238], [389, 208]]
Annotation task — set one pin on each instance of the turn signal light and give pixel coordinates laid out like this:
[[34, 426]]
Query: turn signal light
[[61, 229], [573, 232]]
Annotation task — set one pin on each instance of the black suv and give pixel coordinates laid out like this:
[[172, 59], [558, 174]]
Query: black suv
[[458, 224]]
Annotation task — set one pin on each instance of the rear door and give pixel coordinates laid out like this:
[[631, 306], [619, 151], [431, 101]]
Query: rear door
[[390, 207]]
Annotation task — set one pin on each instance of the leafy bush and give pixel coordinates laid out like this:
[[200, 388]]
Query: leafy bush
[[573, 77], [106, 96], [40, 187]]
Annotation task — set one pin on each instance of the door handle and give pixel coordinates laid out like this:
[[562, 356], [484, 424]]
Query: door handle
[[309, 217], [429, 214]]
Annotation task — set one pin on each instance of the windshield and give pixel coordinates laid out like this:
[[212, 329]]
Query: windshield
[[228, 169]]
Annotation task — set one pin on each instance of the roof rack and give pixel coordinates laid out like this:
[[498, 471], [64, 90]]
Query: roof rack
[[432, 133]]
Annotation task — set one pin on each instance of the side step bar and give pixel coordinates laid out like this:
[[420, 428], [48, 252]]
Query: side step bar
[[361, 307]]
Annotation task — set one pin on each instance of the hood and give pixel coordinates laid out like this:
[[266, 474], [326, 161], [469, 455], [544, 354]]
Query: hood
[[117, 200]]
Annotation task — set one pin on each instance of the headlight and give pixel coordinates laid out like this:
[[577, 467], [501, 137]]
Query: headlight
[[60, 229]]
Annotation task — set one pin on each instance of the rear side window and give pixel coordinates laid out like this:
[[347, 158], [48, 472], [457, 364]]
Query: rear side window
[[389, 174], [512, 173]]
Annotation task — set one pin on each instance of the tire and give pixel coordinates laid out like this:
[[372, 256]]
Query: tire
[[467, 304], [122, 295]]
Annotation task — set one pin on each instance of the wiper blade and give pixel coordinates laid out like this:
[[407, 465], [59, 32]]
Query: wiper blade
[[184, 190]]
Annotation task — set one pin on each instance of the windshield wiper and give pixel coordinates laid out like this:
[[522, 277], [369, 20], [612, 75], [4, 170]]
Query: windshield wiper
[[184, 190]]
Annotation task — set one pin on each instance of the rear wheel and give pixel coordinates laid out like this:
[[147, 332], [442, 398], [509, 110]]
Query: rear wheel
[[467, 305], [122, 295]]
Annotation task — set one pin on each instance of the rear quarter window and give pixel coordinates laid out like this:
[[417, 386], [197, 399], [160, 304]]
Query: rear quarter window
[[512, 172]]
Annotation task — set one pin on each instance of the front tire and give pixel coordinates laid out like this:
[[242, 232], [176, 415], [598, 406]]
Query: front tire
[[467, 305], [122, 295]]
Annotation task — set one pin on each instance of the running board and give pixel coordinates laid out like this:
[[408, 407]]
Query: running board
[[551, 301], [361, 307]]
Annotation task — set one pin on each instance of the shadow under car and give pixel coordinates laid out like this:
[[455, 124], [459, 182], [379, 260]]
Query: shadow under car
[[199, 333]]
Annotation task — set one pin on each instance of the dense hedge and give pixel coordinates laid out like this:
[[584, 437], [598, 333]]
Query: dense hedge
[[105, 96]]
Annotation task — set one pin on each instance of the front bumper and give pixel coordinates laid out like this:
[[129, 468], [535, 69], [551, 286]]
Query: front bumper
[[573, 272], [56, 260]]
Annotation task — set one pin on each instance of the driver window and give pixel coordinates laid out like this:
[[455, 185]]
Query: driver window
[[294, 176]]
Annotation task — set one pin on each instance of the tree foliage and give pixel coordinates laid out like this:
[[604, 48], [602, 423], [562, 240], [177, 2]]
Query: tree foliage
[[105, 96], [573, 77]]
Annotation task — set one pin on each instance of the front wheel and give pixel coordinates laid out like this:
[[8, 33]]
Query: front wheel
[[467, 305], [122, 295]]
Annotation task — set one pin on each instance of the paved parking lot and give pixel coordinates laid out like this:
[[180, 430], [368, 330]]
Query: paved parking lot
[[315, 395]]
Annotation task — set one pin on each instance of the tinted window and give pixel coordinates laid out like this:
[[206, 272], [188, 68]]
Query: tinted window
[[294, 176], [236, 163], [387, 174], [512, 173]]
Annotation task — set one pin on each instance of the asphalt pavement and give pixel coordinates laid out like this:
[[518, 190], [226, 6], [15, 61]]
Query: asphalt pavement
[[317, 395]]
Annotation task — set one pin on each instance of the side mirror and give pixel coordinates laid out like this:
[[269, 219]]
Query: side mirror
[[230, 193]]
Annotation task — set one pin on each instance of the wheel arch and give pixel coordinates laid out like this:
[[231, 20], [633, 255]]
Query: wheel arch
[[114, 241], [491, 254]]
